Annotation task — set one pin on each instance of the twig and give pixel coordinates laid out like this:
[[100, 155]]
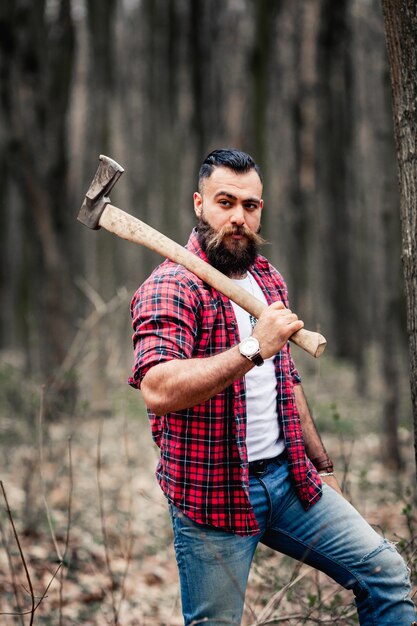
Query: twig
[[131, 541], [32, 595], [282, 618], [67, 536], [91, 293], [321, 621], [41, 464], [101, 309], [276, 599], [104, 528], [70, 492], [346, 613], [42, 597], [30, 591], [346, 458], [61, 557], [13, 574], [204, 620]]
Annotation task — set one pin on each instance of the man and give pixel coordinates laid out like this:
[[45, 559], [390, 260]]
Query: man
[[241, 460]]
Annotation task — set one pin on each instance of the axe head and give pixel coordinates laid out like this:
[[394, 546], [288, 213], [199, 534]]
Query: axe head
[[96, 199]]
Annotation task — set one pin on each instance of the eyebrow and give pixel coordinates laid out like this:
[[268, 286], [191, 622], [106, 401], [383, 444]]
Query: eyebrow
[[233, 197]]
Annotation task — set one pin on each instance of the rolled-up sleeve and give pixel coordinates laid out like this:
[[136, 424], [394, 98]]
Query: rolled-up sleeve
[[295, 376], [164, 311]]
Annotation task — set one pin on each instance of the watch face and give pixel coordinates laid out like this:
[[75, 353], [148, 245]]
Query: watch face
[[249, 347]]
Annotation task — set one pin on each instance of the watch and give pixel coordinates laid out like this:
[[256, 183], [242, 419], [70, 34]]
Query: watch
[[249, 348]]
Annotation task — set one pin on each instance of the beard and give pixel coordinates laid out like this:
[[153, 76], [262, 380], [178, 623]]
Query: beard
[[232, 257]]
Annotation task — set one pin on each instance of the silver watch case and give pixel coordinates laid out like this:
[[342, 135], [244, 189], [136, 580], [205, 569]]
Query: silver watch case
[[250, 348]]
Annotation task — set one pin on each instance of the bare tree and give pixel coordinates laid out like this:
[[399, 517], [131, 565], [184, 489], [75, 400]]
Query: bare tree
[[157, 84], [401, 34], [36, 56]]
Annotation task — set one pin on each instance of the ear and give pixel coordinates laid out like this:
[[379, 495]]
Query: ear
[[261, 204], [198, 203]]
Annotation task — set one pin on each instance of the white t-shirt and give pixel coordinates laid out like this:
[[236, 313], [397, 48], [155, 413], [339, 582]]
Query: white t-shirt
[[263, 431]]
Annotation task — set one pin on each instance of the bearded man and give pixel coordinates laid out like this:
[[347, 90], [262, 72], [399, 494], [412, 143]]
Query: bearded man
[[241, 461]]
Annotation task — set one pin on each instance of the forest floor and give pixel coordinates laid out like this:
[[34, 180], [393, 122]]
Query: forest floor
[[93, 475]]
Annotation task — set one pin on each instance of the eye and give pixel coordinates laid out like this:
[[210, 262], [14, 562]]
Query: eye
[[224, 202], [251, 206]]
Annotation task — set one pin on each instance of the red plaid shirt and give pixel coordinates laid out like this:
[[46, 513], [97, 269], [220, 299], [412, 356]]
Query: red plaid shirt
[[203, 467]]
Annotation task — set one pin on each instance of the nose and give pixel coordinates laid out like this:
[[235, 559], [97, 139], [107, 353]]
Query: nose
[[238, 215]]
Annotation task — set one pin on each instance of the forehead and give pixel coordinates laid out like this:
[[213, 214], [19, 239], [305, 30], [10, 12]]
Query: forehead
[[238, 184]]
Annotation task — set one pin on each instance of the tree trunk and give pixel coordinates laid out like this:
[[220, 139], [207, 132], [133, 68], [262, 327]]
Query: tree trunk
[[401, 33], [36, 64]]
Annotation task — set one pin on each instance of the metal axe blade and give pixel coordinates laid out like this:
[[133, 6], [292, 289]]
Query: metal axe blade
[[96, 199]]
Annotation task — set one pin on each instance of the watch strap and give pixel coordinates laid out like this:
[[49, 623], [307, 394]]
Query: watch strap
[[257, 359]]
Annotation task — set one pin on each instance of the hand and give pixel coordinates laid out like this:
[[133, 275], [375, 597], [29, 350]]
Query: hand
[[332, 482], [275, 326]]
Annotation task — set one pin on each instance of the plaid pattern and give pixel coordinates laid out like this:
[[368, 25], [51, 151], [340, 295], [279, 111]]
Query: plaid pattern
[[203, 467]]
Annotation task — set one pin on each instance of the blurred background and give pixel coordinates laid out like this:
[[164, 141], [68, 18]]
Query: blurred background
[[303, 86], [157, 84]]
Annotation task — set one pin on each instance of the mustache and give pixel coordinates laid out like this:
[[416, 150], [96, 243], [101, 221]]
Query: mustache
[[214, 239]]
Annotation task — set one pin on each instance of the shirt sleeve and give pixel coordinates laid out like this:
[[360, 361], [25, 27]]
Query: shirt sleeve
[[295, 376], [282, 287], [164, 317]]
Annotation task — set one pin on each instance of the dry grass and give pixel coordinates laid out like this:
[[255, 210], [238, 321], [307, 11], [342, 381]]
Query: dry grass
[[119, 565]]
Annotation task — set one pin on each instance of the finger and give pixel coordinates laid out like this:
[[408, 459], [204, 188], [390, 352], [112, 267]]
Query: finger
[[293, 327], [277, 305], [286, 316]]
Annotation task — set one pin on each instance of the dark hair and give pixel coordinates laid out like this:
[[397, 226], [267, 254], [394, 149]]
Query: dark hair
[[236, 160]]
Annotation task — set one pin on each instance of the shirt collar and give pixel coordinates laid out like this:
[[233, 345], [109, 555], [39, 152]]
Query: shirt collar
[[194, 246]]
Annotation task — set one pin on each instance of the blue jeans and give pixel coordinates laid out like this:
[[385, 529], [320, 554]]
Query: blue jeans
[[332, 537]]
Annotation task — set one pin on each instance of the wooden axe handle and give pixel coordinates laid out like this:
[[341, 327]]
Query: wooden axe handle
[[128, 227]]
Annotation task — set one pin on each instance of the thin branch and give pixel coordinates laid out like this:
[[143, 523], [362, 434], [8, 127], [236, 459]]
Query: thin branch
[[32, 595], [282, 618], [43, 482], [12, 572], [204, 620], [67, 537], [54, 575], [346, 458], [61, 556], [41, 598], [131, 540], [86, 327], [104, 527], [321, 606], [91, 293], [70, 492], [277, 598]]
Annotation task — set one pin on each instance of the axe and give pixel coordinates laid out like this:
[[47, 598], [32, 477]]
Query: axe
[[96, 211]]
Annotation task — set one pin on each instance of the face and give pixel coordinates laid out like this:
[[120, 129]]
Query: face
[[229, 198], [228, 208]]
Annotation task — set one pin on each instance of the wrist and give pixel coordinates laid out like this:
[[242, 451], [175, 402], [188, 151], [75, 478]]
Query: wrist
[[250, 349], [263, 345], [323, 463]]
